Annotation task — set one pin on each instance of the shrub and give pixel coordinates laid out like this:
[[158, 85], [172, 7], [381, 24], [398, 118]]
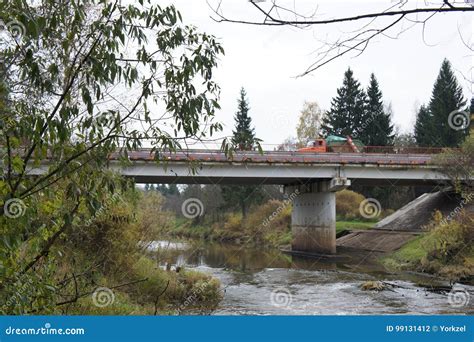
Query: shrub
[[347, 204], [448, 239]]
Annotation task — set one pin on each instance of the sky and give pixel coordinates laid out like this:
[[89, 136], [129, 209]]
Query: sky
[[267, 60]]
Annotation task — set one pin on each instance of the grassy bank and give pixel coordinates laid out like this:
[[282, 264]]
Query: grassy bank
[[353, 225], [266, 225], [156, 291], [445, 249], [104, 268]]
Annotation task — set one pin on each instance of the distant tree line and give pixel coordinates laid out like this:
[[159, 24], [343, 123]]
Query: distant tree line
[[355, 111], [363, 114], [358, 113]]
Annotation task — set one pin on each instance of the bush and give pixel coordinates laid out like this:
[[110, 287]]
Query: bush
[[449, 238], [347, 205], [445, 249]]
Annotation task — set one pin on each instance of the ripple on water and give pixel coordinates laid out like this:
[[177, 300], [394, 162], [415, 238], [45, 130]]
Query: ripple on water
[[321, 292], [277, 290]]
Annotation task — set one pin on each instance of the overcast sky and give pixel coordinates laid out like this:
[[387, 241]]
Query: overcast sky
[[265, 60]]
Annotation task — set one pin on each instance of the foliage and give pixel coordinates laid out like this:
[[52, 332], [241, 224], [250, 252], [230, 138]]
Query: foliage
[[347, 113], [347, 204], [289, 144], [458, 164], [379, 128], [360, 114], [404, 140], [244, 135], [109, 250], [424, 127], [73, 89], [309, 123], [446, 249], [268, 224], [243, 139], [432, 125]]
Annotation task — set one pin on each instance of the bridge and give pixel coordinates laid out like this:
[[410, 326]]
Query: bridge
[[310, 178], [275, 167]]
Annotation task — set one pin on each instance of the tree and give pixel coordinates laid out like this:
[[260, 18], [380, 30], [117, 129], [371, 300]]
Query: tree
[[309, 123], [424, 128], [392, 20], [404, 140], [84, 76], [347, 112], [289, 144], [243, 139], [379, 128], [243, 135], [434, 125], [375, 129]]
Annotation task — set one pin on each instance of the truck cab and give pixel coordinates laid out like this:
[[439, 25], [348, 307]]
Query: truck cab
[[317, 145]]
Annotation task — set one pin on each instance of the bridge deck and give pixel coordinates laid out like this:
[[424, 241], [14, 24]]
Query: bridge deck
[[283, 157]]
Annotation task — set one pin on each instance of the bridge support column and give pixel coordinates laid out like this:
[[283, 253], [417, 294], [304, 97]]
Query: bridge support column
[[313, 219]]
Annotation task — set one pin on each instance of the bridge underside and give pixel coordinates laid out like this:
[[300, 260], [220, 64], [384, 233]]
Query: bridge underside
[[276, 181], [283, 174]]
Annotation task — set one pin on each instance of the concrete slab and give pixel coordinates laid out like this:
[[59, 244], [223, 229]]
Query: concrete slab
[[375, 240], [417, 213]]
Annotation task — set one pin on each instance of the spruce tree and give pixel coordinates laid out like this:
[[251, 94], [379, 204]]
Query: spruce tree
[[432, 125], [424, 130], [243, 139], [243, 135], [377, 129], [347, 111]]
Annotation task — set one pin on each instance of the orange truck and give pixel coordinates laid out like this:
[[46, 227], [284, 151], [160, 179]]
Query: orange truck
[[333, 143]]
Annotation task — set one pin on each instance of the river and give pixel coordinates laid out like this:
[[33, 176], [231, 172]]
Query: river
[[269, 282]]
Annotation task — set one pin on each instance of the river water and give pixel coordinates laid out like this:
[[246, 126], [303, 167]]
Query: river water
[[268, 282]]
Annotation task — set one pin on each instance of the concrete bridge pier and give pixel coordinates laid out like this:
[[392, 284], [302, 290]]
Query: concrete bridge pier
[[313, 219]]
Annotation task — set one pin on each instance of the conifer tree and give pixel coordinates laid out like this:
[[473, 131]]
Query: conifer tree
[[243, 135], [424, 130], [432, 125], [243, 139], [347, 111], [378, 128]]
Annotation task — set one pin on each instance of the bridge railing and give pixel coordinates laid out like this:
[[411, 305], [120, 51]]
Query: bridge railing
[[403, 150]]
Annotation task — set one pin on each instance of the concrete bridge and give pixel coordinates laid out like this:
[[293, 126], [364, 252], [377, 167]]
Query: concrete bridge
[[311, 178]]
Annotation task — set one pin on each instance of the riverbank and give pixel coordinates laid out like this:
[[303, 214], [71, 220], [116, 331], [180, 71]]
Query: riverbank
[[188, 230], [444, 249], [262, 281], [266, 225]]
